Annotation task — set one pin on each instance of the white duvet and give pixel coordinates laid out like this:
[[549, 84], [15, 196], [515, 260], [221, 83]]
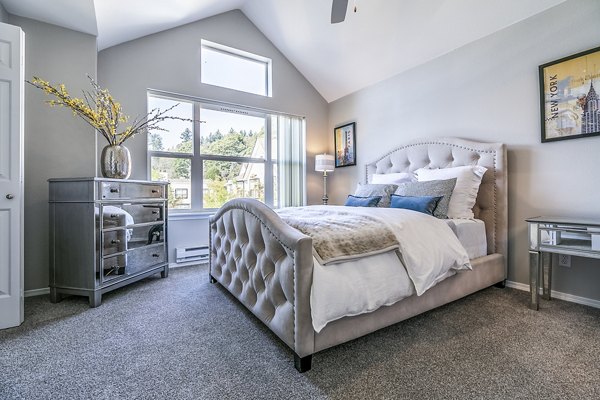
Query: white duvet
[[430, 252]]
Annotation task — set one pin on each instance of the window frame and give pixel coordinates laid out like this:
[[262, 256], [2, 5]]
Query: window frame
[[196, 193], [245, 55]]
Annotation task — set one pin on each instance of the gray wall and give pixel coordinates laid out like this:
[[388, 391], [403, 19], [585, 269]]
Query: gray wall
[[488, 90], [56, 143], [3, 14], [189, 231], [170, 60]]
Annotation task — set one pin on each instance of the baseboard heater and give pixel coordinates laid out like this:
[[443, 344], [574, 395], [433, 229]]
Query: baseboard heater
[[189, 254]]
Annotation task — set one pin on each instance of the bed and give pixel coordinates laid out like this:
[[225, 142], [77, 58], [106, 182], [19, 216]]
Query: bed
[[269, 266]]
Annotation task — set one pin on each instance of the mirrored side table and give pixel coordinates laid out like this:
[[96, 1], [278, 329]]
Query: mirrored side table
[[559, 235]]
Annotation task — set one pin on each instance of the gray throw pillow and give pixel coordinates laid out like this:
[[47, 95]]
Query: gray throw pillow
[[373, 189], [431, 188]]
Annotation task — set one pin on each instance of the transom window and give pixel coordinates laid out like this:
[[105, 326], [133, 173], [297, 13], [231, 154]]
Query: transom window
[[235, 69], [225, 153]]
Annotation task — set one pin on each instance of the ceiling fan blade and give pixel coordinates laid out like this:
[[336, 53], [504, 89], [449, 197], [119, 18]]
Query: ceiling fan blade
[[338, 11]]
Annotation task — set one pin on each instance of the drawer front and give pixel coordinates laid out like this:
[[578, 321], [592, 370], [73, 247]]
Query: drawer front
[[128, 190], [121, 215], [113, 268], [132, 238], [132, 262], [144, 258], [114, 242]]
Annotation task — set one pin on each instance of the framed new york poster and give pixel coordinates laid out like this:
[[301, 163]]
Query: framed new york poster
[[570, 106]]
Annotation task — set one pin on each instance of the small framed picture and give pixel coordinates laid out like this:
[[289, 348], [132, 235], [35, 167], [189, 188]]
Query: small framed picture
[[570, 105], [345, 145]]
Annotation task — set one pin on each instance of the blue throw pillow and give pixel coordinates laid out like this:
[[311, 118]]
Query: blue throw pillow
[[424, 204], [355, 201]]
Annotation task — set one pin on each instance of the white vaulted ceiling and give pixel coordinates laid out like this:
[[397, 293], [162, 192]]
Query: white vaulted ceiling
[[78, 15], [382, 39]]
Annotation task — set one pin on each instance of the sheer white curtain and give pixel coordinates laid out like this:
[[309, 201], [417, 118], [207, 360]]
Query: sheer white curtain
[[291, 161]]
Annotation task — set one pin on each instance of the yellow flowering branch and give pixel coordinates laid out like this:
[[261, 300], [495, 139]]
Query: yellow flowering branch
[[99, 109]]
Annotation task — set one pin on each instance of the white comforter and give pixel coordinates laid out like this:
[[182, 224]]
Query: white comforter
[[430, 252]]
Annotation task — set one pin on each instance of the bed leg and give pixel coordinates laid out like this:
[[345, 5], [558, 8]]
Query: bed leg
[[211, 279], [302, 364], [501, 284]]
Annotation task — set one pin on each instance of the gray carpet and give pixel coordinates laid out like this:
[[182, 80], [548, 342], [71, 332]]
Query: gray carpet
[[183, 338]]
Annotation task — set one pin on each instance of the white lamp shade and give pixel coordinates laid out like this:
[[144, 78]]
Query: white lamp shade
[[324, 162]]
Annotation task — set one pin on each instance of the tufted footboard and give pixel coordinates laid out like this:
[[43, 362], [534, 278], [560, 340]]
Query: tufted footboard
[[268, 266]]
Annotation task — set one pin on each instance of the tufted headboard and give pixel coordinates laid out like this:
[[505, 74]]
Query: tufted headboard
[[491, 205]]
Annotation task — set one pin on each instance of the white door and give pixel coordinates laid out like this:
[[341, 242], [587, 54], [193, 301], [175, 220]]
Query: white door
[[12, 77]]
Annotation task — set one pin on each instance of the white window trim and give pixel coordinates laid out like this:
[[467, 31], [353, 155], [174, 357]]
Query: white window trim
[[205, 100], [198, 193], [243, 54]]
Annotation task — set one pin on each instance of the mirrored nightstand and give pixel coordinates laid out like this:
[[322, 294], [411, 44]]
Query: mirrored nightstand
[[559, 235]]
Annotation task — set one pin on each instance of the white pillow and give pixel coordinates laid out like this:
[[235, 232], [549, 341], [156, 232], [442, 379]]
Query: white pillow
[[395, 178], [464, 195]]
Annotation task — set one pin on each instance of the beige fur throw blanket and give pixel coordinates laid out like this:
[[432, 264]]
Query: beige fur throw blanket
[[340, 235]]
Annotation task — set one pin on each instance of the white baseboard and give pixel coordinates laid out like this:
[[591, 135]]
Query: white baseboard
[[177, 265], [37, 292], [515, 285], [558, 295], [46, 290]]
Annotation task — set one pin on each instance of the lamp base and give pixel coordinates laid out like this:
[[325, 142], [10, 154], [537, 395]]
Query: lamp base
[[325, 198]]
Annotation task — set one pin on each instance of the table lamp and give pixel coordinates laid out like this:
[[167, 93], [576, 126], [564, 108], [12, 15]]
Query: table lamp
[[324, 163]]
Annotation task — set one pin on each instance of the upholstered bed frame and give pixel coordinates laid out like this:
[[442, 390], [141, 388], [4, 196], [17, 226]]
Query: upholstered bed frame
[[268, 265]]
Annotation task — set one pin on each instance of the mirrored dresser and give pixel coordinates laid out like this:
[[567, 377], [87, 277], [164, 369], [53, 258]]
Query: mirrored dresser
[[105, 234]]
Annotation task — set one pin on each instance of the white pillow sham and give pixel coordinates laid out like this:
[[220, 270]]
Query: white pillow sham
[[393, 178], [464, 195]]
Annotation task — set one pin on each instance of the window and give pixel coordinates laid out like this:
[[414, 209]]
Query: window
[[181, 193], [226, 153], [235, 69]]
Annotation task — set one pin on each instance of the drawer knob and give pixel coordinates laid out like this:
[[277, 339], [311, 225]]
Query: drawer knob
[[114, 190], [154, 212], [115, 241], [114, 216], [154, 191], [155, 255]]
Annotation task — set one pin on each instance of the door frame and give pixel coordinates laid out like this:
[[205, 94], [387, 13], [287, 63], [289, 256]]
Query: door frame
[[12, 70]]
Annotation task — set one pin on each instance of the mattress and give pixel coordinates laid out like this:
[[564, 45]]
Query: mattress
[[471, 234], [364, 285]]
